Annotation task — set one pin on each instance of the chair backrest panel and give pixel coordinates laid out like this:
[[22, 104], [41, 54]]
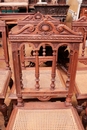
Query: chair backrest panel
[[42, 34], [34, 20]]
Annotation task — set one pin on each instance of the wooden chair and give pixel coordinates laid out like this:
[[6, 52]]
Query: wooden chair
[[44, 50], [81, 76], [13, 5], [5, 71], [34, 20], [43, 83]]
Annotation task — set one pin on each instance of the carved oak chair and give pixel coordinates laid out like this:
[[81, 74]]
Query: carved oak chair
[[44, 50], [43, 82], [5, 71], [81, 76]]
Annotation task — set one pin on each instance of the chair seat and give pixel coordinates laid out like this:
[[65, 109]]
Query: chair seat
[[5, 76], [81, 81], [44, 116], [45, 81]]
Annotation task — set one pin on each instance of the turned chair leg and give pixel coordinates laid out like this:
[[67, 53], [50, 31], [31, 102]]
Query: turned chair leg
[[3, 109]]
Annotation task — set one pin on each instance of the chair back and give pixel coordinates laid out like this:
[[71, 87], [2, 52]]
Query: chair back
[[43, 83]]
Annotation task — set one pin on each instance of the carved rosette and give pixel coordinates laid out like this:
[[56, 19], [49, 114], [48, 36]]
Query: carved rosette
[[44, 98], [45, 28], [38, 16]]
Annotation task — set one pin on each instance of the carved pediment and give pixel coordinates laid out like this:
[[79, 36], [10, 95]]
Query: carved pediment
[[37, 18], [64, 30], [45, 27], [82, 19], [46, 30], [80, 24]]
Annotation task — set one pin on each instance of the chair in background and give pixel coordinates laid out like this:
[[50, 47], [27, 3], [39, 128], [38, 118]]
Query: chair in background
[[9, 6], [81, 76], [5, 71], [43, 82]]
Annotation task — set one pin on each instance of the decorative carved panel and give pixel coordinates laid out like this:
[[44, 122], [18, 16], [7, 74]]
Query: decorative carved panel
[[59, 11]]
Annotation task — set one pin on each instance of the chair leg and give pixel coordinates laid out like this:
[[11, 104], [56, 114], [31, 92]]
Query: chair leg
[[79, 107], [84, 118], [3, 109]]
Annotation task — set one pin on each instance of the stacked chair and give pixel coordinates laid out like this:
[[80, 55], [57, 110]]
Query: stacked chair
[[81, 76], [5, 71], [42, 82]]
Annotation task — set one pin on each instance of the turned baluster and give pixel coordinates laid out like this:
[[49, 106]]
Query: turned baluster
[[22, 56], [69, 70], [44, 50], [83, 45], [20, 69], [37, 70], [53, 71]]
